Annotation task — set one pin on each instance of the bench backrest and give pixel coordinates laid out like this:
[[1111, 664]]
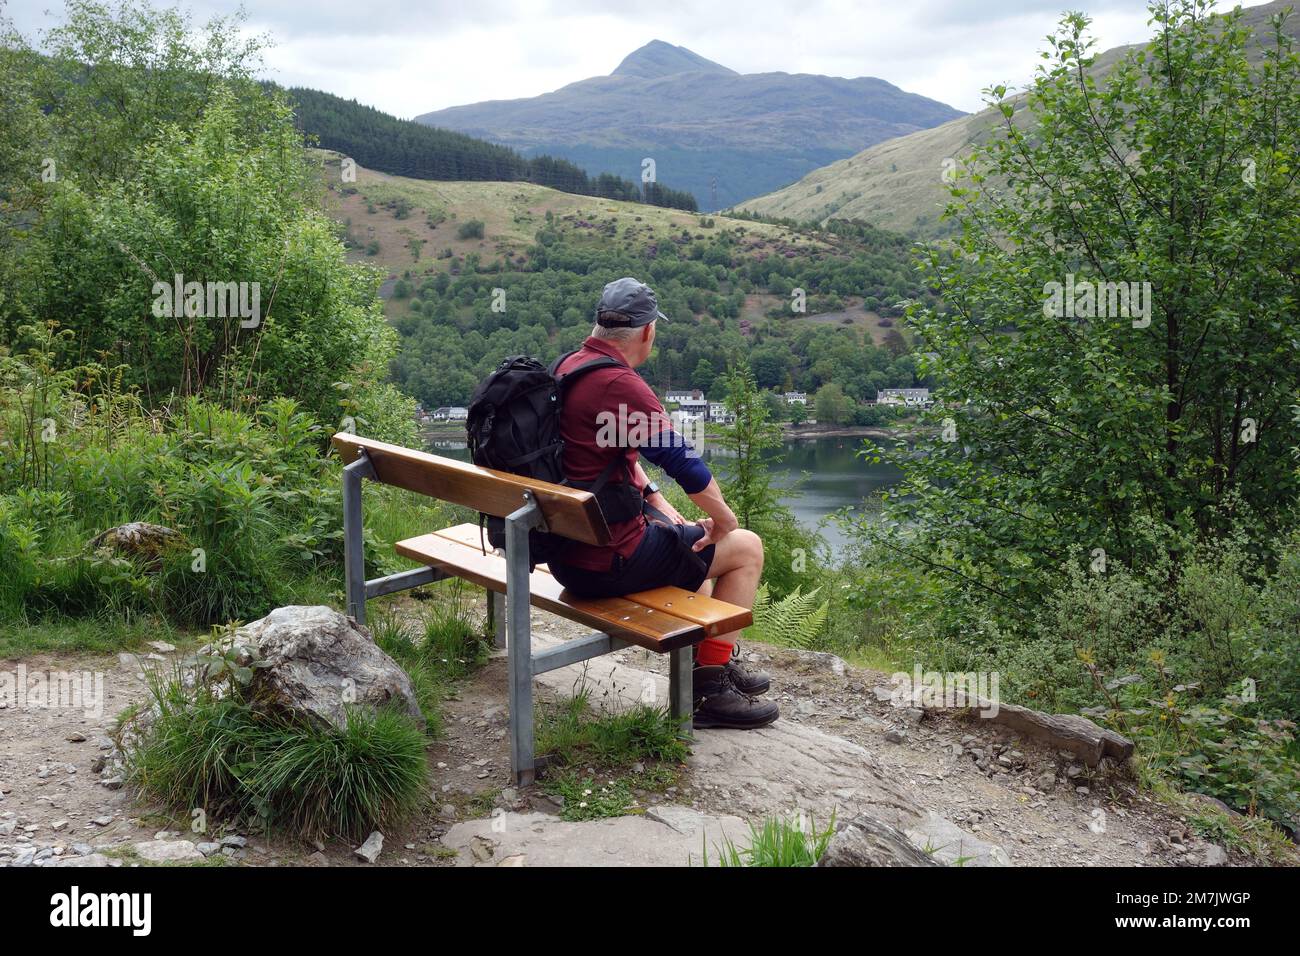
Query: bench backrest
[[568, 512]]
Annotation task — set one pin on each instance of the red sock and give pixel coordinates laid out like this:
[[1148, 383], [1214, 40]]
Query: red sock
[[714, 652]]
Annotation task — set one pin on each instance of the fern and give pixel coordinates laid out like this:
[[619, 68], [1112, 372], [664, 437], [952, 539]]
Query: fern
[[793, 621]]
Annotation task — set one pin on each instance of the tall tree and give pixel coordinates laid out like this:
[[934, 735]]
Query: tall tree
[[1117, 344]]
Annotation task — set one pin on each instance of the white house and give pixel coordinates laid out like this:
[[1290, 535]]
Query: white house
[[680, 395], [918, 397], [691, 410], [719, 412], [450, 413], [796, 398]]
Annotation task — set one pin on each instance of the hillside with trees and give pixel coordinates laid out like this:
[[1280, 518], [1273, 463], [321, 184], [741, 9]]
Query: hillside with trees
[[405, 148]]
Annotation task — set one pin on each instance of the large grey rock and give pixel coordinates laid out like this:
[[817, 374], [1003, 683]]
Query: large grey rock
[[786, 764], [866, 841], [1070, 732], [316, 662]]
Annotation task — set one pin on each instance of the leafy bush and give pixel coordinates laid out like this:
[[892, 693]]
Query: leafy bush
[[1217, 748], [1195, 659]]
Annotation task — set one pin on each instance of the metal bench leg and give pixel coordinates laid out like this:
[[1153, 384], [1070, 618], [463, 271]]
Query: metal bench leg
[[354, 555], [496, 615], [519, 628], [681, 701]]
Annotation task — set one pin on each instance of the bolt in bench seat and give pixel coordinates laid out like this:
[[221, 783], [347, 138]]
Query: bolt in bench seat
[[666, 620]]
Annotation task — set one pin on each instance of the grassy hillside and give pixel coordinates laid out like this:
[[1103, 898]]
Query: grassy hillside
[[396, 211], [899, 184]]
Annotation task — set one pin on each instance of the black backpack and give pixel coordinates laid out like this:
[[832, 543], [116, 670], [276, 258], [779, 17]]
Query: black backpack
[[514, 426]]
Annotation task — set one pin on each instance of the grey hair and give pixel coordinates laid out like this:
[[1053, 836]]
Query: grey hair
[[620, 334]]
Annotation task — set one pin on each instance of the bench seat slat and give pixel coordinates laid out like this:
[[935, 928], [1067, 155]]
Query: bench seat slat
[[716, 617], [632, 622]]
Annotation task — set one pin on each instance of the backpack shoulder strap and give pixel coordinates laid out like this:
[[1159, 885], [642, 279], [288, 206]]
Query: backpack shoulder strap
[[555, 366], [605, 361]]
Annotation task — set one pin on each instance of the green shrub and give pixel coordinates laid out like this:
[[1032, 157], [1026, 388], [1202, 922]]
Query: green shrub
[[215, 751], [1216, 747], [794, 621]]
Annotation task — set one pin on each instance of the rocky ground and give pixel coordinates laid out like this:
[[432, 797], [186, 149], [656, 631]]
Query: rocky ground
[[965, 790]]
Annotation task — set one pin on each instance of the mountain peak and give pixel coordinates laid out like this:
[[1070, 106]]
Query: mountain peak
[[658, 58]]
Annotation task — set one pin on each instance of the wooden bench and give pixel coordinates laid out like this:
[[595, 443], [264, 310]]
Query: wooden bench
[[665, 620]]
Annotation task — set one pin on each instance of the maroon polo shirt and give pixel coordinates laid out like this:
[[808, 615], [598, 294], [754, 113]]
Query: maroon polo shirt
[[593, 408]]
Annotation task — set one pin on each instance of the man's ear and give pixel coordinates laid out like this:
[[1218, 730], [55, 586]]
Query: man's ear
[[645, 333]]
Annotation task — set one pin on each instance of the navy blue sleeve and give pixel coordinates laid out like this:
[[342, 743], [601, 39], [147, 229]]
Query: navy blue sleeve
[[679, 460]]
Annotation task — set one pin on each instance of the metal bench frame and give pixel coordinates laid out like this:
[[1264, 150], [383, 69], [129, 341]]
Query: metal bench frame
[[509, 615]]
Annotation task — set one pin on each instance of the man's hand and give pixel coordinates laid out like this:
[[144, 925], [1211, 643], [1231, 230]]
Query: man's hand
[[715, 530], [659, 503], [721, 520]]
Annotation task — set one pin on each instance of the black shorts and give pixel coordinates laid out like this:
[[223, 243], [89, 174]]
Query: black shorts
[[663, 559]]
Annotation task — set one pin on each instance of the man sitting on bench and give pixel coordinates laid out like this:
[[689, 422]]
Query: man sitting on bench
[[603, 409]]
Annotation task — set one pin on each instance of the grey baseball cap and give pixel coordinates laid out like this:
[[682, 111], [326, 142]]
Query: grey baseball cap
[[632, 301]]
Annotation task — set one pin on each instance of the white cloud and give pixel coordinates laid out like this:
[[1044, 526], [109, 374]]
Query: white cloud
[[409, 57]]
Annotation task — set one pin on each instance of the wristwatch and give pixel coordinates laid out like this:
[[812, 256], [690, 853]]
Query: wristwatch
[[651, 489]]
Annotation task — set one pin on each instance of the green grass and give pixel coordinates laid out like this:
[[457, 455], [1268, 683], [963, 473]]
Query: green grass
[[776, 842], [570, 733], [101, 634], [435, 651], [586, 798], [244, 765], [621, 753]]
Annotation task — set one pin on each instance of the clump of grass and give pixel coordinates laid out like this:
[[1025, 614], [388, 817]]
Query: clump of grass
[[635, 749], [207, 747], [443, 648], [777, 842], [571, 733], [587, 799]]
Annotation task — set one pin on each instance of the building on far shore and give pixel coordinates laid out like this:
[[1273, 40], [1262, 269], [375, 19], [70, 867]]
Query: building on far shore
[[719, 412], [693, 409], [796, 398], [450, 413], [680, 395], [912, 397]]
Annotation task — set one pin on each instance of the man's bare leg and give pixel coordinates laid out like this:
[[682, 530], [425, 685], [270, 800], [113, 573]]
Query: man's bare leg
[[736, 569]]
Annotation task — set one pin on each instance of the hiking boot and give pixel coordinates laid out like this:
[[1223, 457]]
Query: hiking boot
[[718, 703], [746, 681]]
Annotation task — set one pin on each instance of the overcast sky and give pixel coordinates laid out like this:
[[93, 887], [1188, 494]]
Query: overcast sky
[[409, 57]]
